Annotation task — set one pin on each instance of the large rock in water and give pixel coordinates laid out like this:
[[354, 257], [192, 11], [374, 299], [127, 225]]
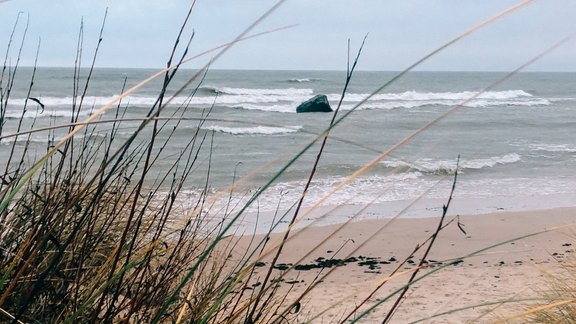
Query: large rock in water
[[318, 103]]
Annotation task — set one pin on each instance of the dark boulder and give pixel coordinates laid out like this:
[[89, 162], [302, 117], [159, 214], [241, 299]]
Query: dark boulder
[[318, 103]]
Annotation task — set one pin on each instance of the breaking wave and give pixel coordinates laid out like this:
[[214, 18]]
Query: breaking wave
[[253, 92], [45, 139], [405, 100], [258, 130], [303, 80], [363, 191], [554, 148], [423, 96], [287, 99], [45, 114], [447, 167]]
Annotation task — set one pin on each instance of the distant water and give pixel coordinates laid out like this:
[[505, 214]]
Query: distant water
[[516, 142]]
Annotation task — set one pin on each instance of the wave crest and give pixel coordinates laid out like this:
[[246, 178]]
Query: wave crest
[[446, 167], [250, 91], [45, 114], [303, 80], [286, 100], [257, 130], [554, 148], [424, 96]]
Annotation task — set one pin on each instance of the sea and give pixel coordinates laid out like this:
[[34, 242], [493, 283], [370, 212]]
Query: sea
[[515, 142]]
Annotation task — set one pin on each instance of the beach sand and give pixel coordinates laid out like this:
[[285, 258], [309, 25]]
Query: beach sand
[[371, 250]]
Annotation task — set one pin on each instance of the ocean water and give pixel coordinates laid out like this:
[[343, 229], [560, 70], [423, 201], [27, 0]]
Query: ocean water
[[516, 142]]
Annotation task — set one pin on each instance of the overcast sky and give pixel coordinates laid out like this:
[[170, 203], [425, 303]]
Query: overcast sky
[[140, 33]]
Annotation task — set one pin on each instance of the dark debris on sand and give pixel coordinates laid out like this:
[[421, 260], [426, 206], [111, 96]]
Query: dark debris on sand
[[372, 263]]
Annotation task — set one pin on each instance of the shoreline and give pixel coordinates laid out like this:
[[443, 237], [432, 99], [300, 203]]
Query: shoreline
[[328, 215], [503, 272]]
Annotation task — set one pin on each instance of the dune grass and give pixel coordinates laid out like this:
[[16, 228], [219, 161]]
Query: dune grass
[[92, 231]]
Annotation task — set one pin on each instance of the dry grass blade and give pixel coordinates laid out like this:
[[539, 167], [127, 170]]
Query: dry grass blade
[[537, 310], [10, 316], [556, 297], [492, 303]]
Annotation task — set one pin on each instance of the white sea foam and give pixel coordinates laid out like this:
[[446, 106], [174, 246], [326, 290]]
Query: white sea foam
[[554, 148], [294, 94], [258, 130], [362, 191], [249, 99], [525, 103], [23, 139], [471, 104], [12, 114], [562, 99], [63, 101], [412, 99], [251, 92], [444, 167], [389, 105], [271, 103], [288, 108], [403, 187], [287, 99], [45, 139], [389, 196], [15, 105], [304, 80], [406, 100], [424, 96]]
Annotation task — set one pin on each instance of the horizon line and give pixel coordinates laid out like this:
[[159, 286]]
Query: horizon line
[[302, 70]]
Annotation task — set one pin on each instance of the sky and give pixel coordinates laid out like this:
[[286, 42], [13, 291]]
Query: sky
[[140, 33]]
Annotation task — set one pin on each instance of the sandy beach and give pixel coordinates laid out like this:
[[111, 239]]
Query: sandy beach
[[362, 254]]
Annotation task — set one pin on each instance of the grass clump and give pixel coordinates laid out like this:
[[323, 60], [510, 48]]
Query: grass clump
[[95, 230]]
